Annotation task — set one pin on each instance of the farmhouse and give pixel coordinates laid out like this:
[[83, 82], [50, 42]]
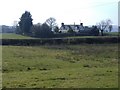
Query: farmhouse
[[76, 28], [79, 29]]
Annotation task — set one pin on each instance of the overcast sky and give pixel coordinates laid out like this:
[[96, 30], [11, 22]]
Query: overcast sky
[[68, 11]]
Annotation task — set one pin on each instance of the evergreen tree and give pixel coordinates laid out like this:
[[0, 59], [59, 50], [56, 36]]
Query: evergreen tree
[[25, 23]]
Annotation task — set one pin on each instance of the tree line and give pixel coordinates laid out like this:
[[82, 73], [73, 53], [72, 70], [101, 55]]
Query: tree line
[[26, 27], [45, 30]]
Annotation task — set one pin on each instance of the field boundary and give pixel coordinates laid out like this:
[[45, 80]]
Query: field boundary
[[58, 41]]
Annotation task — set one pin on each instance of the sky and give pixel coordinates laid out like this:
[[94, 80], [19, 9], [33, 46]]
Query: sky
[[88, 12]]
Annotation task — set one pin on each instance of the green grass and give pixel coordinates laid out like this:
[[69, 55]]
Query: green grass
[[112, 33], [13, 36], [0, 67], [92, 36], [68, 66], [17, 36]]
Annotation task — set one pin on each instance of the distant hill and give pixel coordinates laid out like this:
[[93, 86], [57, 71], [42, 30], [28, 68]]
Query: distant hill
[[13, 36]]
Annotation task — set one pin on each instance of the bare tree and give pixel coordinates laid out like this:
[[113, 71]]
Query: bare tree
[[103, 25], [51, 22]]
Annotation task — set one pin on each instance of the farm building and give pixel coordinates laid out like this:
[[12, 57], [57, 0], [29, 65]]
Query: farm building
[[80, 29], [64, 28]]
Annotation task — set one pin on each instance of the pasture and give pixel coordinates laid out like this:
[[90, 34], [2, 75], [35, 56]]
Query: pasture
[[13, 36], [17, 36], [60, 66]]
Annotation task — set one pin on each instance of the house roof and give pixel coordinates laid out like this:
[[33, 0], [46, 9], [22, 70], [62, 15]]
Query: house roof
[[73, 27]]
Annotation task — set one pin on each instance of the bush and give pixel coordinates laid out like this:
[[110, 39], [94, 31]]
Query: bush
[[42, 31]]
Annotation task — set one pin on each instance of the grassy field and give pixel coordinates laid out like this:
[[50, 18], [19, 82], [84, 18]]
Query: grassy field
[[16, 36], [68, 66], [13, 36], [0, 67], [112, 33]]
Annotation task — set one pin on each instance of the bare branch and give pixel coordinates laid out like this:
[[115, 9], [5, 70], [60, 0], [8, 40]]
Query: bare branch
[[51, 22]]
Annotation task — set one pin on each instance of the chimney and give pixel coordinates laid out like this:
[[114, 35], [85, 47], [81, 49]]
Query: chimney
[[62, 24], [81, 24]]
